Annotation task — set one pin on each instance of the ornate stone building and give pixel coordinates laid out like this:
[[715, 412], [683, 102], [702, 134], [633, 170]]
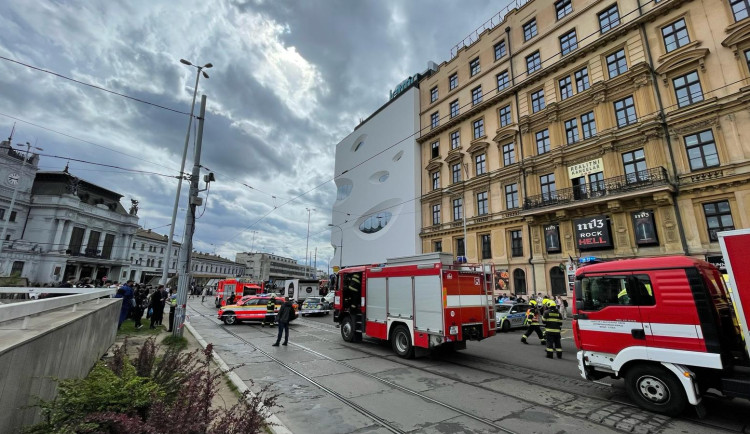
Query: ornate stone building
[[575, 128]]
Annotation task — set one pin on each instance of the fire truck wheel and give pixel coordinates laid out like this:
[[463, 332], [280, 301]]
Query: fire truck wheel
[[229, 318], [656, 389], [401, 342], [347, 329]]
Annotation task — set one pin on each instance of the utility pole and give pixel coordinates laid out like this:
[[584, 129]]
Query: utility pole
[[307, 244], [183, 264]]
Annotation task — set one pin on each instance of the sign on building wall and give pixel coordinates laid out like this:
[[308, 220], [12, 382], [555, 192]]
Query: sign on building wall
[[552, 238], [586, 168], [644, 228], [592, 233], [404, 85]]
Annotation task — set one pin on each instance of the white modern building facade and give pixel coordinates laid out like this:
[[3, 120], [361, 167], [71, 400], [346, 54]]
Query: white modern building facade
[[377, 212]]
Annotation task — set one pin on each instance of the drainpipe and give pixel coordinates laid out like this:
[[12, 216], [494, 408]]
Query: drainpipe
[[663, 122]]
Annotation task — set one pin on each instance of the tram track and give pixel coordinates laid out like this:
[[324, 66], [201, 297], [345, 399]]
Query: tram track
[[524, 374]]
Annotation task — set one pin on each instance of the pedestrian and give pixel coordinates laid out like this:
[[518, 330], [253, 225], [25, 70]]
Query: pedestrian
[[140, 304], [286, 314], [553, 328], [126, 293], [532, 319], [203, 294], [172, 299], [270, 313], [157, 304], [562, 306]]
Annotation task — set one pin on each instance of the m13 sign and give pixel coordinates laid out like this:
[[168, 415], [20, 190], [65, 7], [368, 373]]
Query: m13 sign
[[592, 233]]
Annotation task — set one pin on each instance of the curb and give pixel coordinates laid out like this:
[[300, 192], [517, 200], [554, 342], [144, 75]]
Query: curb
[[278, 427]]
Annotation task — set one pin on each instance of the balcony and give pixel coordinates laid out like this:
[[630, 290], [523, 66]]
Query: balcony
[[618, 185]]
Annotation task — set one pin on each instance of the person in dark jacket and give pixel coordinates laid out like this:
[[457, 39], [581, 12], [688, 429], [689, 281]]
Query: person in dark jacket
[[140, 304], [553, 327], [286, 314], [157, 304], [270, 314]]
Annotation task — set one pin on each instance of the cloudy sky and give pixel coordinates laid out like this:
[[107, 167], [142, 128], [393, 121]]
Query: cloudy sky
[[290, 80]]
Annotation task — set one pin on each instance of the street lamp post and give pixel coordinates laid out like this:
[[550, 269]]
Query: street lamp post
[[341, 252], [165, 272], [16, 182], [307, 244]]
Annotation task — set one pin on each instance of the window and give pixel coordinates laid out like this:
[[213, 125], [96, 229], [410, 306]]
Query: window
[[687, 89], [563, 7], [503, 81], [571, 131], [486, 247], [454, 108], [93, 243], [625, 112], [453, 81], [499, 50], [76, 241], [505, 118], [588, 125], [474, 67], [509, 154], [482, 203], [529, 30], [435, 180], [476, 95], [12, 216], [582, 79], [511, 196], [460, 247], [609, 18], [568, 42], [480, 164], [616, 63], [109, 242], [675, 35], [533, 62], [519, 281], [537, 101], [458, 208], [478, 128], [433, 94], [634, 163], [376, 222], [701, 150], [718, 218], [438, 246], [456, 173], [747, 59], [133, 243], [435, 152], [17, 268], [548, 186], [516, 244], [435, 119], [566, 88], [455, 139], [542, 141], [596, 182], [436, 214], [602, 291], [740, 9]]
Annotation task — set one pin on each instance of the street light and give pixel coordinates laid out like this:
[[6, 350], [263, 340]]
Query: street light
[[307, 244], [16, 181], [341, 252], [165, 272]]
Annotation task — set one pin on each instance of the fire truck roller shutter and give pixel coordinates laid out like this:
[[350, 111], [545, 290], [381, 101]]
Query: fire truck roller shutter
[[428, 315], [375, 307], [400, 297]]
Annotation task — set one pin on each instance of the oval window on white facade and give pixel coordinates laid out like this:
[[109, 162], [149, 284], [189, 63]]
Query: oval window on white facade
[[344, 189], [375, 222], [379, 177]]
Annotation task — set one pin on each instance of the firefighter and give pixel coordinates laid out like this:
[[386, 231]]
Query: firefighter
[[553, 327], [532, 320], [270, 315]]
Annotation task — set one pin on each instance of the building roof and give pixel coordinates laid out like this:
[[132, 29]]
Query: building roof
[[155, 236], [58, 183]]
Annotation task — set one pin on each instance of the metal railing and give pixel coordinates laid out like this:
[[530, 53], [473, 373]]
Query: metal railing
[[24, 309], [489, 24], [606, 187]]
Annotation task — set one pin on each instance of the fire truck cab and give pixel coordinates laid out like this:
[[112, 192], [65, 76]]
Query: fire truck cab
[[667, 326], [417, 303]]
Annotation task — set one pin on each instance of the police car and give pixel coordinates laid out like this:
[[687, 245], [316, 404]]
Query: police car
[[510, 315]]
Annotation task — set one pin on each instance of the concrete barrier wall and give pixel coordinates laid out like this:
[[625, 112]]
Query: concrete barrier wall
[[65, 343]]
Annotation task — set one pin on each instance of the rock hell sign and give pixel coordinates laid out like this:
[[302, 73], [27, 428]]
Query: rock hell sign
[[592, 233]]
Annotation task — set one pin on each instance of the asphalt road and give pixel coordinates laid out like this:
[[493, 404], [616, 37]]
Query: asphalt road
[[496, 385]]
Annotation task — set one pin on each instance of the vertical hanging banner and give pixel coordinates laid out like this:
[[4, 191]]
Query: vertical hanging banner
[[592, 233], [644, 228], [552, 238]]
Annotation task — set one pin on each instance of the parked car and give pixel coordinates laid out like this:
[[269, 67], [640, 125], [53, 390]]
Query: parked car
[[314, 305], [510, 315], [329, 299], [250, 308]]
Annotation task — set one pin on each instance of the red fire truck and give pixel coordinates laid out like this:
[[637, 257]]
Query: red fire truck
[[667, 326], [416, 303], [230, 291]]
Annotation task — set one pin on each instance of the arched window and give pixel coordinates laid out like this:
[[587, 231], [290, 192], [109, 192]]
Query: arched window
[[519, 281], [557, 281]]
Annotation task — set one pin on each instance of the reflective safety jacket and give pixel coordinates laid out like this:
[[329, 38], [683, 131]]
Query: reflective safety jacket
[[270, 306], [532, 318], [552, 321]]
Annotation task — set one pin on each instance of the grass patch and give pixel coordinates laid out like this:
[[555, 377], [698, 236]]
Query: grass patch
[[177, 342], [128, 329], [232, 387]]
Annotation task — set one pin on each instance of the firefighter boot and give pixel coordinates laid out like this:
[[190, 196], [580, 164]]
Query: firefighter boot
[[523, 339], [549, 355], [559, 354], [543, 342]]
